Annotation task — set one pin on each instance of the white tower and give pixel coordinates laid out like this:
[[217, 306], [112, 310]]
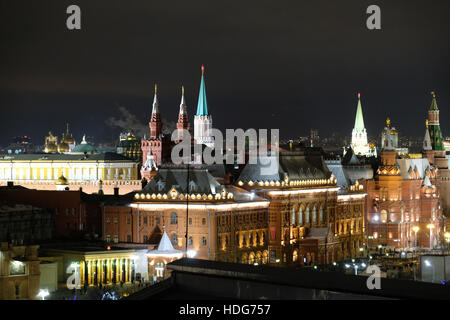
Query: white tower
[[202, 119], [359, 142]]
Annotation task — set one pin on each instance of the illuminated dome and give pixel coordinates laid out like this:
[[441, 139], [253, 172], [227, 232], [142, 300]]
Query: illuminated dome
[[62, 181], [63, 147]]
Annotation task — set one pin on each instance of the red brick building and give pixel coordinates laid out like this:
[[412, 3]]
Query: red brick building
[[75, 213], [403, 208]]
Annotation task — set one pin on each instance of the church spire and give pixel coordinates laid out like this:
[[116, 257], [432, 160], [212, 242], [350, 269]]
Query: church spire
[[359, 121], [202, 107]]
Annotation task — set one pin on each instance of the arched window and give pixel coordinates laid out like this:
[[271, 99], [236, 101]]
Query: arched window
[[190, 241], [314, 215], [295, 256], [293, 217], [173, 218], [307, 215], [174, 239], [251, 258], [300, 216], [321, 215]]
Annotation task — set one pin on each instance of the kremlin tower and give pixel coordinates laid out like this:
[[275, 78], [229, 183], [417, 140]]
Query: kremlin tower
[[437, 154], [155, 123], [202, 119], [157, 146], [183, 121], [359, 142], [153, 145]]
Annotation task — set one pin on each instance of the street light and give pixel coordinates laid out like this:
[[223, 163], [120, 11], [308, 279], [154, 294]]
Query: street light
[[43, 293]]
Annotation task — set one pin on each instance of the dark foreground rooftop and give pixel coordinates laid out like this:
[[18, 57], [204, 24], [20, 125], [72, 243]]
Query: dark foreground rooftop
[[202, 279]]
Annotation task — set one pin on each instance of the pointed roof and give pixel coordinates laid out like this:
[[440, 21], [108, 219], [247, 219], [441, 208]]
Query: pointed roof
[[165, 244], [427, 139], [359, 121], [165, 248], [433, 101], [155, 108], [183, 106], [202, 107], [427, 183]]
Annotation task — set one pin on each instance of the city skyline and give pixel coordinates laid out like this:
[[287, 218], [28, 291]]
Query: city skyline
[[259, 63]]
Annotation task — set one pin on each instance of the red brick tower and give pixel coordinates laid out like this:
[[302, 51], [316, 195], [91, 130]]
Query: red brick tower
[[183, 121]]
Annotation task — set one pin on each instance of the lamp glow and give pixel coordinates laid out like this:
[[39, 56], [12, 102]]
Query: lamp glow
[[43, 293]]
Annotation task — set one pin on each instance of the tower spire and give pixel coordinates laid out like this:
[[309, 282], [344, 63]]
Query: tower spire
[[426, 139], [359, 142], [155, 123], [183, 102], [202, 119], [155, 108], [202, 106], [434, 127], [359, 121], [183, 121]]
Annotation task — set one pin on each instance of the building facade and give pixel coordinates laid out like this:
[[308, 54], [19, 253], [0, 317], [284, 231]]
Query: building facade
[[403, 207], [224, 223], [42, 171], [310, 220], [19, 272]]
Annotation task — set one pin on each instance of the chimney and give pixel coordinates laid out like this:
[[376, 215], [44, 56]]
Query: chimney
[[116, 191], [10, 184]]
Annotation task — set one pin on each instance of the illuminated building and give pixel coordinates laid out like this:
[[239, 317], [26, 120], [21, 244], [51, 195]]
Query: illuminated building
[[161, 256], [156, 144], [225, 223], [51, 143], [359, 142], [310, 220], [41, 171], [66, 144], [437, 154], [403, 199], [129, 146], [96, 265], [19, 272]]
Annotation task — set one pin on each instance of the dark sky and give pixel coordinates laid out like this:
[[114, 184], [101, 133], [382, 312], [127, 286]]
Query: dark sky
[[292, 65]]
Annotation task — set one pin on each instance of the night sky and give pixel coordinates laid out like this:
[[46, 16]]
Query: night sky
[[292, 65]]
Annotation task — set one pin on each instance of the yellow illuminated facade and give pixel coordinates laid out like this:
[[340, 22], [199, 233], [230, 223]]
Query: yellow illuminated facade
[[38, 167]]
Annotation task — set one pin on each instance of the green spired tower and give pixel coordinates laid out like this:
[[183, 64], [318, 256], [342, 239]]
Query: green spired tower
[[433, 125]]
